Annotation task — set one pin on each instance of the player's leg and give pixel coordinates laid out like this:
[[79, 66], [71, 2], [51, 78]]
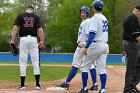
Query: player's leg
[[94, 52], [23, 55], [136, 76], [93, 73], [84, 72], [87, 62], [101, 64], [34, 53], [77, 59], [70, 76], [39, 55], [130, 75]]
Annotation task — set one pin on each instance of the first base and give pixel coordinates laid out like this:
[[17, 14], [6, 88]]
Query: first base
[[56, 89]]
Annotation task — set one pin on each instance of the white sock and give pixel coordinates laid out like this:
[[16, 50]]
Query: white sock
[[95, 84]]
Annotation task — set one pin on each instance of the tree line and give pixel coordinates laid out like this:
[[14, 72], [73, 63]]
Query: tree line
[[61, 20]]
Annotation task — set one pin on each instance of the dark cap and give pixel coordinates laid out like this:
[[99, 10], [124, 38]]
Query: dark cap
[[137, 7], [30, 6]]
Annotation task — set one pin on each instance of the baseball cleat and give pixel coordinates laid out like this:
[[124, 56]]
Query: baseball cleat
[[102, 91], [131, 90], [94, 88], [37, 88], [83, 91], [135, 90], [21, 87], [127, 90], [63, 85]]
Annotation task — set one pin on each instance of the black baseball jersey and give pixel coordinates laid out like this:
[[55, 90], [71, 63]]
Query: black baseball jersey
[[28, 23], [131, 27]]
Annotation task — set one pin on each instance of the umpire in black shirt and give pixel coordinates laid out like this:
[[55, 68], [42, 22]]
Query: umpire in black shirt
[[131, 37]]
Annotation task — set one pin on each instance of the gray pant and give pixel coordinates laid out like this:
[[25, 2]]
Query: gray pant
[[133, 67]]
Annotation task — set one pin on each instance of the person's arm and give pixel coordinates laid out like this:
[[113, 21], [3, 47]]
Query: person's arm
[[13, 33], [93, 26], [40, 32], [90, 39], [16, 25], [87, 29], [41, 37], [134, 28], [138, 39]]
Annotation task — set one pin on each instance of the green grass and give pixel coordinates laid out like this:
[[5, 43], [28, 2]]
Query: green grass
[[11, 73], [65, 63], [41, 63]]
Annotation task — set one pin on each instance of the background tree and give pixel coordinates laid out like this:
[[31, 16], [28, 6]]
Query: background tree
[[61, 20], [64, 22], [5, 22], [8, 13]]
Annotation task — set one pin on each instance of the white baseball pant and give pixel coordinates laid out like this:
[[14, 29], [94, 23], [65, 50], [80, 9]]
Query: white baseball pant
[[29, 45], [97, 52], [78, 58]]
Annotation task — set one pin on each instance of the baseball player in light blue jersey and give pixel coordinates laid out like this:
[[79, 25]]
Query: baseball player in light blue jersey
[[96, 47], [79, 53]]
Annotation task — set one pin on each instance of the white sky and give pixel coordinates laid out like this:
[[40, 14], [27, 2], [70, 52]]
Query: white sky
[[12, 1]]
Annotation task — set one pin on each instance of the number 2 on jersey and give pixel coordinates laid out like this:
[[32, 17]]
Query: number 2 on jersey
[[105, 26]]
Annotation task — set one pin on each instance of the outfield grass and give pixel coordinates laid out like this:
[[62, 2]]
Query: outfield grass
[[11, 73], [65, 63], [41, 63]]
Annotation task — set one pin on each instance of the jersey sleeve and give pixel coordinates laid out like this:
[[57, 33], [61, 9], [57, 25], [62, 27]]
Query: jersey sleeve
[[87, 27], [134, 27], [17, 21], [93, 25], [39, 22]]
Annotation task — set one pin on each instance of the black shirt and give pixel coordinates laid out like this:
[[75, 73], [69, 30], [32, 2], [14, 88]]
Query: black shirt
[[28, 23], [131, 27]]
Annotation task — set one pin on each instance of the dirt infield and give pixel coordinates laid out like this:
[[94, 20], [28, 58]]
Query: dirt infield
[[115, 82]]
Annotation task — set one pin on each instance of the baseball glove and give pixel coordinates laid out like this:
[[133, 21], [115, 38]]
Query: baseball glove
[[14, 49]]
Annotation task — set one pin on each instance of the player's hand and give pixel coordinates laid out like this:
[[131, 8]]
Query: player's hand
[[82, 44], [12, 42], [85, 51], [40, 45]]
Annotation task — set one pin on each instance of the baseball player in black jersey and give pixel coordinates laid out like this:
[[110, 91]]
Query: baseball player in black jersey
[[30, 25], [131, 37]]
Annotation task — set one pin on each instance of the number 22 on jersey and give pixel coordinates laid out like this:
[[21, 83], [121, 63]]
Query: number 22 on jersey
[[105, 25]]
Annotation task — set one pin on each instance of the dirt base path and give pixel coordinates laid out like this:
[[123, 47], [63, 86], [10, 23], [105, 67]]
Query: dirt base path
[[115, 82]]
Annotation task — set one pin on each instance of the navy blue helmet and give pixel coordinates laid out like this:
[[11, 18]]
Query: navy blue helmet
[[97, 4], [86, 9]]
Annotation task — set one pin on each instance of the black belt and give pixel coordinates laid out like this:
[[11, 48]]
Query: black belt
[[131, 41], [28, 35], [99, 41]]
